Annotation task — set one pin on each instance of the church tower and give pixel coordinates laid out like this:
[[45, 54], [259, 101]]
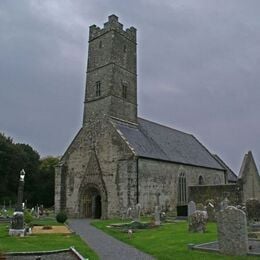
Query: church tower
[[111, 85]]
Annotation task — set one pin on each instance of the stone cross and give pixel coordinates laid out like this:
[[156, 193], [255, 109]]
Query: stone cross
[[191, 207], [232, 231]]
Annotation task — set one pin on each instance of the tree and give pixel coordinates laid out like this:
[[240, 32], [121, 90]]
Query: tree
[[39, 178], [46, 178]]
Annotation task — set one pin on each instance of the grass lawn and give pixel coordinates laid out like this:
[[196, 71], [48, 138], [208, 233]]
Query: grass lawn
[[43, 242], [46, 221], [168, 241]]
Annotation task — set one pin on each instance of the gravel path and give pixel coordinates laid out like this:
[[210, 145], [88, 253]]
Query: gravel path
[[104, 245]]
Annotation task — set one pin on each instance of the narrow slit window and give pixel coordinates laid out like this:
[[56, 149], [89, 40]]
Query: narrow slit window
[[98, 89], [124, 91], [125, 49], [100, 45]]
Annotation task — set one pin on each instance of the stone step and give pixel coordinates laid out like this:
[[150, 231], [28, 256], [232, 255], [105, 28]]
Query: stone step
[[181, 218]]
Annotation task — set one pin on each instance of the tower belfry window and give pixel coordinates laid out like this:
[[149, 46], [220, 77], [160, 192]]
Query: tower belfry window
[[98, 88]]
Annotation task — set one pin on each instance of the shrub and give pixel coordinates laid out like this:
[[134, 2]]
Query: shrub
[[61, 217], [28, 218]]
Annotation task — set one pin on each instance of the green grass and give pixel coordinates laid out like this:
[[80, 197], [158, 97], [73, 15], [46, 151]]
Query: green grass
[[43, 242], [168, 241], [46, 221]]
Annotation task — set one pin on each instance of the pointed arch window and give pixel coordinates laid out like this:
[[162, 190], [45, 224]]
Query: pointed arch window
[[182, 189], [201, 181]]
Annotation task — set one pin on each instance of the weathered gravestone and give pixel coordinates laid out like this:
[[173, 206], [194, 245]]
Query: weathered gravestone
[[191, 207], [224, 203], [136, 212], [211, 212], [157, 220], [17, 225], [129, 213], [198, 221], [232, 231]]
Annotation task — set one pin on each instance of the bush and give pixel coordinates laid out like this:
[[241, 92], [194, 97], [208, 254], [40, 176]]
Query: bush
[[28, 218], [61, 217]]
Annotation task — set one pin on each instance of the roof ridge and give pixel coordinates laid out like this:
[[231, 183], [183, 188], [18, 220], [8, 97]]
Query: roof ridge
[[206, 149], [218, 157]]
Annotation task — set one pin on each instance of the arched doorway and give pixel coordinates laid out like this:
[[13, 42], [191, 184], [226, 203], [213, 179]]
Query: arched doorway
[[91, 203]]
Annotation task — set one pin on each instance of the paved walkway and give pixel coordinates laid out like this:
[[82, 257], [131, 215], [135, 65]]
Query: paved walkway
[[104, 245]]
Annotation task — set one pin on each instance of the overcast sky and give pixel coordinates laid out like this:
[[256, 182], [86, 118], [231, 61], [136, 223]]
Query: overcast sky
[[198, 69]]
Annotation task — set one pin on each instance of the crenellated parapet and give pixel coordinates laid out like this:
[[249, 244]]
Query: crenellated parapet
[[112, 24]]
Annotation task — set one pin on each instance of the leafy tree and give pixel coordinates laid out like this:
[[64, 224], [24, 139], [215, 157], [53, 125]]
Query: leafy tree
[[39, 178], [46, 178]]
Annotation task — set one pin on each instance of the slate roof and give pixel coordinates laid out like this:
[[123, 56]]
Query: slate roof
[[151, 140], [231, 176]]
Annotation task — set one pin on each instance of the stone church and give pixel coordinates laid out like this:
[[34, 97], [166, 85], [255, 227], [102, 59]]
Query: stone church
[[117, 159]]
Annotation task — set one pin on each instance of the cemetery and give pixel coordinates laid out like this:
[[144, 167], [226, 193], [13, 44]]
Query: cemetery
[[210, 231], [36, 234]]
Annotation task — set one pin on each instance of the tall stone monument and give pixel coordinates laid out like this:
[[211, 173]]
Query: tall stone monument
[[232, 231], [17, 222]]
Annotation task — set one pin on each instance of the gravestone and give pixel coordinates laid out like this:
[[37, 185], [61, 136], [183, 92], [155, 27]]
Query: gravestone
[[157, 213], [232, 231], [198, 221], [17, 225], [129, 212], [191, 207], [211, 212], [136, 212], [224, 203]]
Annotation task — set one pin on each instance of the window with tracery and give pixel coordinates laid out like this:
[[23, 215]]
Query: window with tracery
[[182, 189]]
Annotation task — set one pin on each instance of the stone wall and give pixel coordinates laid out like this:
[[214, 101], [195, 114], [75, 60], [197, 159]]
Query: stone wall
[[106, 163], [201, 193], [162, 177]]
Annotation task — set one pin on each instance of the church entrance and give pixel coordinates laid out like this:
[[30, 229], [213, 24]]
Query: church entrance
[[91, 203]]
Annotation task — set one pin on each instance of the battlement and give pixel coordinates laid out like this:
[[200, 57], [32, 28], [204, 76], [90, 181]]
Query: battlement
[[112, 24]]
